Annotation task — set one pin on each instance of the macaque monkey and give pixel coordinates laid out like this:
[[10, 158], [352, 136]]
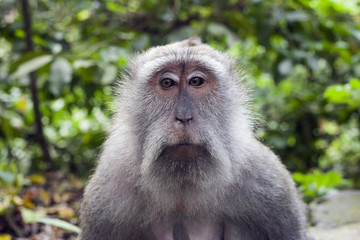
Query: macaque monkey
[[181, 161]]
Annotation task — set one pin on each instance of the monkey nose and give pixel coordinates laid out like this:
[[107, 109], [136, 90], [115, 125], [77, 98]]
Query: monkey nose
[[184, 119]]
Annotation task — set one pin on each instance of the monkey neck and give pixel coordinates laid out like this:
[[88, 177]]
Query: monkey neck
[[185, 202]]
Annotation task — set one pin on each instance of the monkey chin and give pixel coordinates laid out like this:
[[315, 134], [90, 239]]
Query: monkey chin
[[185, 161]]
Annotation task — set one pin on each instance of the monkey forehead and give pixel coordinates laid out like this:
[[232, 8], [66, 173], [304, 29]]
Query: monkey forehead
[[157, 58]]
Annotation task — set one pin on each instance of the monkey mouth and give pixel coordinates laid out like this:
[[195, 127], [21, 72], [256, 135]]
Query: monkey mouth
[[183, 151]]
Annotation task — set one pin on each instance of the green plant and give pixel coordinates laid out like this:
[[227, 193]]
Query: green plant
[[348, 93], [30, 216], [11, 183], [317, 184]]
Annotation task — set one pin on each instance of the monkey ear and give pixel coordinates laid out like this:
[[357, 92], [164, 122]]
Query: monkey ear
[[192, 42]]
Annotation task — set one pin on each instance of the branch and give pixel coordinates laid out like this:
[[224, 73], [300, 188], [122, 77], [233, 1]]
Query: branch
[[33, 80]]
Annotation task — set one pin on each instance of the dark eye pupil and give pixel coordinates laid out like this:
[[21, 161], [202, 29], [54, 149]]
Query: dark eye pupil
[[196, 81], [166, 83]]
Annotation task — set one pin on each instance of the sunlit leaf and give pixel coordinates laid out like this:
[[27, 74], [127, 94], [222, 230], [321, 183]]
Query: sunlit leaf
[[355, 83], [115, 7], [17, 200], [337, 94], [83, 14], [81, 63], [22, 104], [30, 216], [37, 179], [60, 223], [5, 203], [60, 74], [317, 184], [28, 203], [31, 66], [109, 75], [45, 197], [6, 177], [297, 16], [5, 237], [285, 66], [356, 34], [66, 212], [20, 33], [112, 54]]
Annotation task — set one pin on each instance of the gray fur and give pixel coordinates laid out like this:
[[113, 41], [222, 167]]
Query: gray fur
[[233, 188]]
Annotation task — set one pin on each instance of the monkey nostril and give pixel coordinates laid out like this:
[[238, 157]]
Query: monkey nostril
[[184, 119]]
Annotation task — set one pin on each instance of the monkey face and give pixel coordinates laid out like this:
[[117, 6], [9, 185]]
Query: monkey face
[[183, 126], [179, 113], [185, 86]]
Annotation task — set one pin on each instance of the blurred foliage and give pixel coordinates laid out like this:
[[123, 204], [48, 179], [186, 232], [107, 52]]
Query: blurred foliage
[[302, 59], [317, 184], [39, 204], [30, 216], [11, 183]]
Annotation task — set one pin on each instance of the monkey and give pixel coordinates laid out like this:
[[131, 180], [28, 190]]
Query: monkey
[[181, 160]]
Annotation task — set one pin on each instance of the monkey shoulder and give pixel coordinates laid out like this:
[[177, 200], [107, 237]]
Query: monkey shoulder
[[263, 177]]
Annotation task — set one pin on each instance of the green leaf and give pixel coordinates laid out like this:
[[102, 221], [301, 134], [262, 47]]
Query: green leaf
[[60, 223], [30, 216], [5, 237], [6, 177], [112, 54], [109, 75], [296, 16], [81, 63], [24, 58], [355, 83], [31, 65], [116, 8], [285, 66], [60, 75], [317, 184], [337, 94], [83, 15]]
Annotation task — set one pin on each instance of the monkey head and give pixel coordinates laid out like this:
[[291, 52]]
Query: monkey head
[[180, 101]]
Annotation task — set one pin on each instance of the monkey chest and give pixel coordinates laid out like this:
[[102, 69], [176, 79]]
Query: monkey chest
[[188, 230]]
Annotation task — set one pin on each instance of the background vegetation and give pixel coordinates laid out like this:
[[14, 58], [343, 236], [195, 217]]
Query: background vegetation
[[302, 59]]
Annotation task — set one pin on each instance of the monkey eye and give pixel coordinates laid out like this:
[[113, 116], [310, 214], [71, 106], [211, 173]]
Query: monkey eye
[[196, 81], [167, 83]]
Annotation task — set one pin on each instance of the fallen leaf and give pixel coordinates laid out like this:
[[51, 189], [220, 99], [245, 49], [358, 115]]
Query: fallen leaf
[[37, 179], [45, 197], [66, 212], [5, 237]]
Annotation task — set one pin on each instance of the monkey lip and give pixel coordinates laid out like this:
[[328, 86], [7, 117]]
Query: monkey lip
[[183, 147], [183, 151], [184, 144]]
